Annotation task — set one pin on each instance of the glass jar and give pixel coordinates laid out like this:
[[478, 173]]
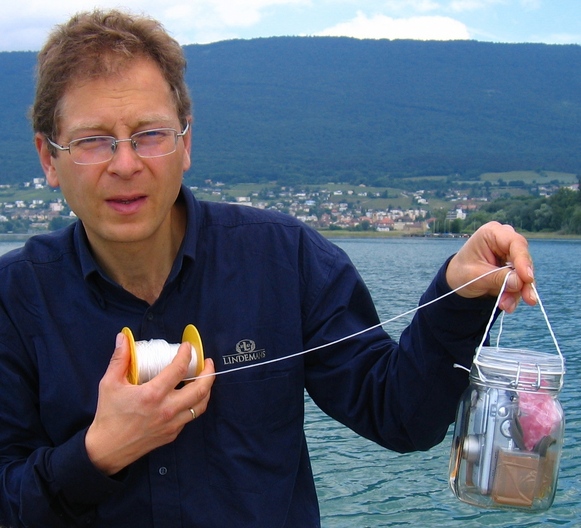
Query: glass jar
[[509, 431]]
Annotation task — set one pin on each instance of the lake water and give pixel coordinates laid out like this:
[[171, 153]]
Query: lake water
[[362, 485]]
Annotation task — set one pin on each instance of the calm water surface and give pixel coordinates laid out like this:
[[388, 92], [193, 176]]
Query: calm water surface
[[362, 485]]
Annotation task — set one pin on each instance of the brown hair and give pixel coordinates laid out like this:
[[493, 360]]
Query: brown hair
[[92, 44]]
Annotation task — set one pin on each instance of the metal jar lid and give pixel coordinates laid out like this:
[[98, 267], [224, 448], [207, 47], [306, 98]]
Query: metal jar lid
[[518, 370]]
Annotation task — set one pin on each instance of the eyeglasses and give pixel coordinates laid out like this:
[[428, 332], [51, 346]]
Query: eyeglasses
[[99, 149]]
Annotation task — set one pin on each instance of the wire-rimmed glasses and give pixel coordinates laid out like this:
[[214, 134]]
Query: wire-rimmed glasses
[[152, 143]]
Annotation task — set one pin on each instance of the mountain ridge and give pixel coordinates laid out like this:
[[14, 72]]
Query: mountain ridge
[[319, 109]]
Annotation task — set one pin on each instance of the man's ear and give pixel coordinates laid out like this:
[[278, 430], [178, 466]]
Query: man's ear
[[188, 149], [187, 161], [46, 160]]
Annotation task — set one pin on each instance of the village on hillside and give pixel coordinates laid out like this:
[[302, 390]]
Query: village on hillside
[[324, 208]]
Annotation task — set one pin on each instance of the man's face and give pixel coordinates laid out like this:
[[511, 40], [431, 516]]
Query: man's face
[[127, 199]]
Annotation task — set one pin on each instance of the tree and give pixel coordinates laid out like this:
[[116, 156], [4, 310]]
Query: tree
[[543, 217], [456, 226], [363, 226], [574, 222]]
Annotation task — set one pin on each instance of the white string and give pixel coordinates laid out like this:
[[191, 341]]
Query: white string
[[156, 354], [548, 323], [303, 352], [490, 321], [500, 328]]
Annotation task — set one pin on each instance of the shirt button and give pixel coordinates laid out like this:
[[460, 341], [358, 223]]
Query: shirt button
[[150, 316], [162, 470]]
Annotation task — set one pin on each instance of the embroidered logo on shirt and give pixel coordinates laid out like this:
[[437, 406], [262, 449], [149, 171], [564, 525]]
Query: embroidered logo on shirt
[[245, 352]]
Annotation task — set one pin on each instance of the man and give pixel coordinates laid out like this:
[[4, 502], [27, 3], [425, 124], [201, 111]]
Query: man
[[79, 444]]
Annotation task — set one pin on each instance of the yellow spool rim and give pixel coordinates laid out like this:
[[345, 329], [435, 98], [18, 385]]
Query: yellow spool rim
[[192, 336], [133, 370]]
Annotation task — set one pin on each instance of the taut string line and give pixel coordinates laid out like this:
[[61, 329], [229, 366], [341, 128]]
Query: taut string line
[[351, 336]]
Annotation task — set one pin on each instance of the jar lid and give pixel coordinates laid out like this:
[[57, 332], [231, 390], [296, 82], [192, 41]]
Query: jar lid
[[518, 370]]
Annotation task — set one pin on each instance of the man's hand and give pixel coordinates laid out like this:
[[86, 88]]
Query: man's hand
[[132, 420], [491, 247]]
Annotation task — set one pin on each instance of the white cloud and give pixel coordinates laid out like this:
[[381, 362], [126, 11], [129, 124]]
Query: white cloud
[[384, 27], [531, 4], [460, 6], [212, 20], [419, 6], [220, 13], [457, 6], [25, 25]]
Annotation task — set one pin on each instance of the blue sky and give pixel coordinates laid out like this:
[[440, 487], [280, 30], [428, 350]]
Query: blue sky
[[24, 24]]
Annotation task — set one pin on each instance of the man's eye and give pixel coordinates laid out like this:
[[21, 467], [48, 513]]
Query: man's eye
[[93, 142], [153, 134]]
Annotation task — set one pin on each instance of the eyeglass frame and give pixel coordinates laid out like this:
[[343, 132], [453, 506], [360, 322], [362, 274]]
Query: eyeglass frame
[[116, 141]]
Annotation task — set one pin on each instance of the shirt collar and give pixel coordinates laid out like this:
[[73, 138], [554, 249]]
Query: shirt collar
[[193, 222], [88, 263]]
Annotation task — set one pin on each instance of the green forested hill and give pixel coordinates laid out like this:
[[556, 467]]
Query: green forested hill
[[363, 111], [17, 154]]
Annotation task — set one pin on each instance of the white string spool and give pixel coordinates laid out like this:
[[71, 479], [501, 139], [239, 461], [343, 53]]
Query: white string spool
[[149, 358]]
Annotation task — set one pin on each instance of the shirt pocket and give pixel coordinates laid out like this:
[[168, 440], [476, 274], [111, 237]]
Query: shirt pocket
[[254, 434]]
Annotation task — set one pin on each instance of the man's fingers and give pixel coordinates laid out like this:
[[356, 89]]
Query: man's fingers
[[177, 370], [196, 394], [120, 359], [491, 247]]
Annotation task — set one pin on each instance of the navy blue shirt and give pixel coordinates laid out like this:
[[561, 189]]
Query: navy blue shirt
[[258, 286]]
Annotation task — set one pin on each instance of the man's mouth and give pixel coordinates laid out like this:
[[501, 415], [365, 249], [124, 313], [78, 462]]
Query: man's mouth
[[127, 205]]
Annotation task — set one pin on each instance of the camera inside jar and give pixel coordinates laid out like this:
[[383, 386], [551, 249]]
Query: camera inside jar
[[507, 446]]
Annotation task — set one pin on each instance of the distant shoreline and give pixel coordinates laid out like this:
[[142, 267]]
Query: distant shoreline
[[398, 234], [328, 233]]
